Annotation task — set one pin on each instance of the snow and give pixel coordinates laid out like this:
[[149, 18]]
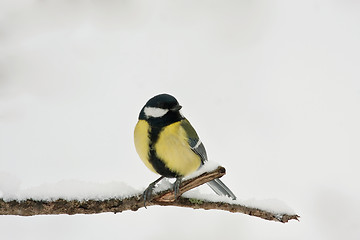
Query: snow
[[272, 88], [271, 205], [208, 166], [9, 184], [71, 190]]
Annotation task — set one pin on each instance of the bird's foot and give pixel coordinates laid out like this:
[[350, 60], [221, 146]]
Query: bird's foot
[[148, 191], [177, 184]]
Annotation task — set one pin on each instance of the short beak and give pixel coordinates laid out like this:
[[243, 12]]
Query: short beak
[[176, 108]]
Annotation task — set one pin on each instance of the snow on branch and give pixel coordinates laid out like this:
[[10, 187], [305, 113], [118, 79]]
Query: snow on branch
[[30, 207]]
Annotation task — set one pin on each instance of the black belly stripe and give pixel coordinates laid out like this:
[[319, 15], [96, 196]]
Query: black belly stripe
[[155, 161]]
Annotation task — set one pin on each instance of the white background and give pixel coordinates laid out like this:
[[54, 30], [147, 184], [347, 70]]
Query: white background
[[272, 87]]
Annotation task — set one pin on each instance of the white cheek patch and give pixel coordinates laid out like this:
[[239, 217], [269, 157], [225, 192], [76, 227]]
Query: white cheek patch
[[155, 112]]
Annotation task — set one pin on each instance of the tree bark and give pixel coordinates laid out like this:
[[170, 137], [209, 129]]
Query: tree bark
[[30, 207]]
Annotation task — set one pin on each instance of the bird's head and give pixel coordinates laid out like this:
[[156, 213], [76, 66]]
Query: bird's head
[[161, 106]]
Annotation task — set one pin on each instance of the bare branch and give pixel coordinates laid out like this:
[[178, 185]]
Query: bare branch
[[32, 207]]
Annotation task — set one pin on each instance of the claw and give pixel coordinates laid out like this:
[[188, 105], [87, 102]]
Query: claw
[[177, 186], [148, 191]]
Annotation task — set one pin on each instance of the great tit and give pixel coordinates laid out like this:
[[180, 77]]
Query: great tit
[[168, 144]]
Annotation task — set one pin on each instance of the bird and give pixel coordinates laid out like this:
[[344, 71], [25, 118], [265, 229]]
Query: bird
[[168, 145]]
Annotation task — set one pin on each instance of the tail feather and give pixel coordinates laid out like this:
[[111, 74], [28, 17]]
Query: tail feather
[[220, 188]]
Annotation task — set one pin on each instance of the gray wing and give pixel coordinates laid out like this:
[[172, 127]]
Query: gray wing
[[198, 147], [194, 141]]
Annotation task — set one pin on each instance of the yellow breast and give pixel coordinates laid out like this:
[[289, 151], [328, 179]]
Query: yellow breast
[[173, 149], [141, 139]]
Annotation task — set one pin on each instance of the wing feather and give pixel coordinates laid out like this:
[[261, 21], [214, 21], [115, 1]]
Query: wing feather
[[194, 141]]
